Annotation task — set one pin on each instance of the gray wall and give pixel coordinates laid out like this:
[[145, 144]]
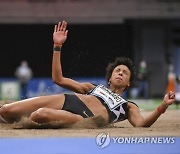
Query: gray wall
[[86, 11], [151, 42]]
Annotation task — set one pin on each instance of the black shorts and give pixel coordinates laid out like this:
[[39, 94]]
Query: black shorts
[[74, 105]]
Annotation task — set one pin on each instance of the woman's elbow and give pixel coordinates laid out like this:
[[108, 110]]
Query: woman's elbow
[[56, 80], [145, 126], [141, 125]]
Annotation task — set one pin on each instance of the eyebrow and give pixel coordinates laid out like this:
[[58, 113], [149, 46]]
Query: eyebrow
[[124, 70]]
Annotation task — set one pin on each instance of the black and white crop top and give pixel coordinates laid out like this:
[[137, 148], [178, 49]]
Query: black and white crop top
[[116, 106]]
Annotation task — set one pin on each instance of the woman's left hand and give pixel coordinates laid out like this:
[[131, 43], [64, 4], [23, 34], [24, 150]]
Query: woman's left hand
[[169, 99]]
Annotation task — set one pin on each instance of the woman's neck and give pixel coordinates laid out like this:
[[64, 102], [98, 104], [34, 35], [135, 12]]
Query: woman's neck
[[117, 90]]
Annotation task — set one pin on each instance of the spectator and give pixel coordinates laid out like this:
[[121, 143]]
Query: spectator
[[172, 83], [142, 76], [24, 74]]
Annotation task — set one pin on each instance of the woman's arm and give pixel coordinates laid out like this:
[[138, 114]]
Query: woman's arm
[[137, 120], [59, 37]]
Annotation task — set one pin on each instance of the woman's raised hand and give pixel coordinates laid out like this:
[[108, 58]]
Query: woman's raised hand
[[60, 33]]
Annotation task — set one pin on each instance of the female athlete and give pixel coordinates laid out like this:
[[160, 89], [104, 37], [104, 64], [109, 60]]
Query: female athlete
[[89, 100]]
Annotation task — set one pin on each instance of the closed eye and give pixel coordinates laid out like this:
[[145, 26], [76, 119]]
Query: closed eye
[[119, 70]]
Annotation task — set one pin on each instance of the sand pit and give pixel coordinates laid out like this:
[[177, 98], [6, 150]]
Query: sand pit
[[167, 125]]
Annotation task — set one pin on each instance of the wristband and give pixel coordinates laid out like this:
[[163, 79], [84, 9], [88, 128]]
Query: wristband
[[161, 110], [57, 48]]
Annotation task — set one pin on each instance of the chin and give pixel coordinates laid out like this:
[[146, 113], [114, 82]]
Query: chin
[[119, 86]]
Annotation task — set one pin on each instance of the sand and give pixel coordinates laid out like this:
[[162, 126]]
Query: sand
[[168, 124]]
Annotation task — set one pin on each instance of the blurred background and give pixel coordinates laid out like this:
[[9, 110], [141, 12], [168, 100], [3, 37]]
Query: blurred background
[[147, 31]]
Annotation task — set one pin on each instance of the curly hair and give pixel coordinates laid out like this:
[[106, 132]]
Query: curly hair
[[120, 61]]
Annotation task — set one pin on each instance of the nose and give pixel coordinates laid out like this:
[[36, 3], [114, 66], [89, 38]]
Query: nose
[[120, 73]]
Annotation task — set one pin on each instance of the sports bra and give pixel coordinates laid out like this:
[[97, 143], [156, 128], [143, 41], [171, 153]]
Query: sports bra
[[116, 106]]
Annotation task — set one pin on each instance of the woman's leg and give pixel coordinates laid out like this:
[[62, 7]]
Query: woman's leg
[[46, 114], [13, 111]]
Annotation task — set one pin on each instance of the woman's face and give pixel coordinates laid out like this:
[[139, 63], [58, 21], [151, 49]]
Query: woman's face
[[120, 76]]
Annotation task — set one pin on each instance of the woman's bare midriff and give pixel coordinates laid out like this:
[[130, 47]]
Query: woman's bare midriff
[[94, 105]]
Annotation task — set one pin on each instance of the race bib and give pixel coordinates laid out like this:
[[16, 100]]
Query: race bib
[[112, 99]]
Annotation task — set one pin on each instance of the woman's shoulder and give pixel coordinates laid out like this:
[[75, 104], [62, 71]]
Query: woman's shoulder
[[130, 103]]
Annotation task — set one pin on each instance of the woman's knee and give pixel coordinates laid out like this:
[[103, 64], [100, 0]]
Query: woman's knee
[[40, 115], [9, 113]]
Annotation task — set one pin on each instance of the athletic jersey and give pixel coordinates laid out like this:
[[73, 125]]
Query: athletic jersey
[[116, 106]]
